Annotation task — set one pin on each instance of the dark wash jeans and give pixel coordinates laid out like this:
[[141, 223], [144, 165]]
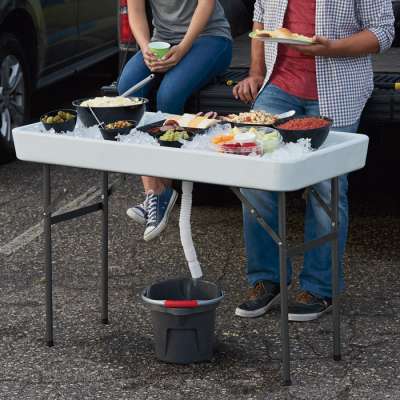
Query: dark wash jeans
[[262, 251], [208, 57]]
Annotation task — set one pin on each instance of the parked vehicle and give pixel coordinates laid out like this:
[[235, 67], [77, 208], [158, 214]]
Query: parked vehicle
[[44, 41]]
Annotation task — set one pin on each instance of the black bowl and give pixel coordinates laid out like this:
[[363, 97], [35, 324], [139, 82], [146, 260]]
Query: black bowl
[[170, 143], [174, 143], [60, 126], [110, 114], [317, 136], [111, 134]]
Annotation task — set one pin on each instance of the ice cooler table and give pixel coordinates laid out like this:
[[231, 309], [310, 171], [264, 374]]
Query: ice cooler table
[[341, 154]]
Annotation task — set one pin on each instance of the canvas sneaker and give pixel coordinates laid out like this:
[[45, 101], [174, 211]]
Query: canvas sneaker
[[139, 213], [308, 307], [261, 298], [159, 207]]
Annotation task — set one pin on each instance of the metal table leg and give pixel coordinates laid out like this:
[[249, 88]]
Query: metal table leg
[[47, 253], [284, 290], [335, 268], [286, 251], [104, 250]]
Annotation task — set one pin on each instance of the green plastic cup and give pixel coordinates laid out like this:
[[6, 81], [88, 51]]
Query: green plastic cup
[[159, 49]]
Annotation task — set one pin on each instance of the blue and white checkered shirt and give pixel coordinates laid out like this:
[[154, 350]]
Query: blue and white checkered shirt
[[344, 83]]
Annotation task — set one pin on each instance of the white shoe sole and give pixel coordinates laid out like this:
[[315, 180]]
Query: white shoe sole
[[257, 313], [163, 223], [308, 317], [135, 217]]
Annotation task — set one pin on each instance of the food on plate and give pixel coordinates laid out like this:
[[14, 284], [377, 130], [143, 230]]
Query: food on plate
[[218, 139], [174, 135], [245, 137], [245, 141], [194, 121], [107, 101], [59, 118], [244, 149], [304, 124], [238, 141], [282, 33], [119, 124], [170, 124], [253, 117]]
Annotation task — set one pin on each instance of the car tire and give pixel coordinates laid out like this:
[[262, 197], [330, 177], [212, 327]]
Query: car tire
[[14, 92]]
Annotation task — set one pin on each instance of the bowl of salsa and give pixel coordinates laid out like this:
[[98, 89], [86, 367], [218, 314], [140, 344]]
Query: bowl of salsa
[[315, 128]]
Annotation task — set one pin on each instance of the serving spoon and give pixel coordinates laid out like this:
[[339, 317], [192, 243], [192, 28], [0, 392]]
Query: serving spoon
[[99, 123], [138, 86], [286, 114]]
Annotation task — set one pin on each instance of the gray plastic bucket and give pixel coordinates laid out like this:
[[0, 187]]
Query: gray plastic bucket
[[183, 316]]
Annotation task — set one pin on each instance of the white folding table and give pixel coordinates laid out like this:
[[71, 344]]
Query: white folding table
[[341, 154]]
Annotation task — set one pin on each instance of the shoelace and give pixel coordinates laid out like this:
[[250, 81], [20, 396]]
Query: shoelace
[[256, 291], [304, 297], [308, 298], [145, 203], [151, 208]]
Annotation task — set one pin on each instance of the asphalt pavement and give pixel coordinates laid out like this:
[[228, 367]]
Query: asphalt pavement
[[116, 361]]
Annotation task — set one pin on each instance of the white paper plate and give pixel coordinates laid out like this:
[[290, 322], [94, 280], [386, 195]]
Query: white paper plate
[[280, 40]]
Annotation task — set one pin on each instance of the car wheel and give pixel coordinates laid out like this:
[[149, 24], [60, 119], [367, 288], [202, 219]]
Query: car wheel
[[14, 92]]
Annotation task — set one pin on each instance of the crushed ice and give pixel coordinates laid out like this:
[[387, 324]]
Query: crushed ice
[[290, 152], [286, 152], [203, 142]]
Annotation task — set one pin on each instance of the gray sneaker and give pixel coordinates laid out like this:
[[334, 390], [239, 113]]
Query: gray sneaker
[[159, 207]]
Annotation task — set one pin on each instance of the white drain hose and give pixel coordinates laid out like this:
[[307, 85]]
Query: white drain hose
[[186, 231]]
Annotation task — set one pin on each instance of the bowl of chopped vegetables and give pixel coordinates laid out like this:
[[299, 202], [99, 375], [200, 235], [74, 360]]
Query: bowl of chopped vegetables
[[174, 138], [111, 130], [60, 120], [315, 128]]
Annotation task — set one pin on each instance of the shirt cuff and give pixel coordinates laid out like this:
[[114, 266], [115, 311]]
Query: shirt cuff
[[259, 20], [384, 41]]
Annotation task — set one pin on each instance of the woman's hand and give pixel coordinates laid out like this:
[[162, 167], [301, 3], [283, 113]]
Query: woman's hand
[[322, 46], [169, 61], [247, 89], [148, 57]]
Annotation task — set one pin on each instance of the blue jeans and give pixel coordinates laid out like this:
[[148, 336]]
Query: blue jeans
[[262, 251], [208, 57]]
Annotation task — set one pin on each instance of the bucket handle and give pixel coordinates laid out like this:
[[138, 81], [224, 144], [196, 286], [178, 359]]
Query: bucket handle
[[181, 303]]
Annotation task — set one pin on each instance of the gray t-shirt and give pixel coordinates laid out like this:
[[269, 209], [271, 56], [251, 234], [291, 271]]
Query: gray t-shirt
[[171, 20]]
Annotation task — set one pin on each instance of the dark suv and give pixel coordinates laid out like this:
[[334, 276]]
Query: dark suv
[[44, 41]]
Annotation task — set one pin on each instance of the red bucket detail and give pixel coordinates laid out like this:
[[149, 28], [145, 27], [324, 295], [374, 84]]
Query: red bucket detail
[[181, 303]]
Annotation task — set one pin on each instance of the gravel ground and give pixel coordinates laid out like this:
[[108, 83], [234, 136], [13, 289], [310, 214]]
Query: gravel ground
[[93, 361]]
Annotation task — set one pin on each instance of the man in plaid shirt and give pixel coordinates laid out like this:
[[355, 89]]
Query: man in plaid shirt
[[333, 78]]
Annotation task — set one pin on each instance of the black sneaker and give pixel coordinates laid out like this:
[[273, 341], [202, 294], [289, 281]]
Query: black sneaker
[[308, 307], [261, 298]]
